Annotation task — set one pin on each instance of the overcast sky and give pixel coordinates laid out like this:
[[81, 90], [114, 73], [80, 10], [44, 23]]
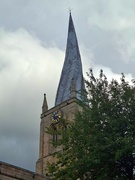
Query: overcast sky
[[33, 38]]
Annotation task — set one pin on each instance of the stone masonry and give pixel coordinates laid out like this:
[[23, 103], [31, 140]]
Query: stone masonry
[[68, 110], [10, 172]]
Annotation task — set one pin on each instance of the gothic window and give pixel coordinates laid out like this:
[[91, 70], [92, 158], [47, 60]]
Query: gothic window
[[55, 134]]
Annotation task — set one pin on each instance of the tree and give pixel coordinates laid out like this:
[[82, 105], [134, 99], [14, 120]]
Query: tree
[[100, 143]]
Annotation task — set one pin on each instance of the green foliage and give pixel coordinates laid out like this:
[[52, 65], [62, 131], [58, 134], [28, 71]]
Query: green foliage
[[100, 143]]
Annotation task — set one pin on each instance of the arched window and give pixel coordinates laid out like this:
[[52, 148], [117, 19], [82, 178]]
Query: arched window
[[57, 129], [55, 134]]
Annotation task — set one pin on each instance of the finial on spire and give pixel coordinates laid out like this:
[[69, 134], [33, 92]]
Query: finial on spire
[[69, 10], [45, 106]]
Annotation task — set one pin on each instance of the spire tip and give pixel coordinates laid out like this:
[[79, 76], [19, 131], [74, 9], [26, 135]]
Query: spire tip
[[70, 11]]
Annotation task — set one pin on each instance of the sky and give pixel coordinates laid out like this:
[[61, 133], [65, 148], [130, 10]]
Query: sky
[[33, 37]]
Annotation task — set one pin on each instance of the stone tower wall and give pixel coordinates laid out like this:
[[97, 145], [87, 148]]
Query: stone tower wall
[[68, 110]]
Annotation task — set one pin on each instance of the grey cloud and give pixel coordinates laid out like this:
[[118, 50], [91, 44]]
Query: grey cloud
[[24, 79], [32, 43]]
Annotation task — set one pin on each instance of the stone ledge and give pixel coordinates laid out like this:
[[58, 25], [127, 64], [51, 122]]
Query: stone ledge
[[8, 171], [65, 103]]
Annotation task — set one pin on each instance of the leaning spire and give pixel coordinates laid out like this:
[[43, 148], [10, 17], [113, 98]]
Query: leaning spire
[[72, 68]]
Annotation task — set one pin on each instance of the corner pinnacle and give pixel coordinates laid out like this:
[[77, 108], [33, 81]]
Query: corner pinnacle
[[45, 106]]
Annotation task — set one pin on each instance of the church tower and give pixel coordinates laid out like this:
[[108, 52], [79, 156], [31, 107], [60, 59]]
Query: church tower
[[71, 86]]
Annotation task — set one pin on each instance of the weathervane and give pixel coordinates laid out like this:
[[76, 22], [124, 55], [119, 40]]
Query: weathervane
[[69, 10]]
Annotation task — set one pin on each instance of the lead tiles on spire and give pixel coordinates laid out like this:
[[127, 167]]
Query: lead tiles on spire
[[72, 68]]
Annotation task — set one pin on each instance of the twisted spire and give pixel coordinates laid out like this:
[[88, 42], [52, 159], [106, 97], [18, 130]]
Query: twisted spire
[[72, 68]]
